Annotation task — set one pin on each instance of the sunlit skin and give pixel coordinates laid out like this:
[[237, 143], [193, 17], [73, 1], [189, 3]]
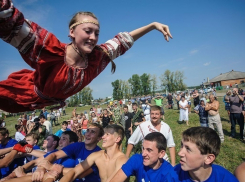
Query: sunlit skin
[[109, 138], [85, 35], [91, 136], [151, 156], [64, 141], [48, 142], [190, 156], [155, 117]]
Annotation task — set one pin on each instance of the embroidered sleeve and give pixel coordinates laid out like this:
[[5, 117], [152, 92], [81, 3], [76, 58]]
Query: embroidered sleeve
[[26, 36], [118, 45], [14, 29]]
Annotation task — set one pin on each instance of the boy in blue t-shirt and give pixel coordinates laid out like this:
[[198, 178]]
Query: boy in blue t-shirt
[[199, 148], [66, 138], [150, 166], [63, 128], [8, 142], [80, 151]]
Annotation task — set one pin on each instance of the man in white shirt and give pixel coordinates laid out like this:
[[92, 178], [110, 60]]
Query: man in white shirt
[[46, 123], [155, 125], [130, 107]]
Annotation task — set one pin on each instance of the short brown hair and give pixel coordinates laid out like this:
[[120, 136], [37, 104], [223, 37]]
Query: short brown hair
[[101, 132], [206, 139], [4, 131], [155, 108], [118, 129], [33, 135]]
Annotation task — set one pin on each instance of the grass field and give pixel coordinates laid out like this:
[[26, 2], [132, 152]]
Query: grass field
[[232, 150]]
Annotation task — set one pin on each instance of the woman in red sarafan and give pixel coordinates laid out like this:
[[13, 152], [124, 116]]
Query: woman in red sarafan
[[60, 70]]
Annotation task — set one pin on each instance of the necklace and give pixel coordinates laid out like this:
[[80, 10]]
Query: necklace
[[85, 58], [77, 51]]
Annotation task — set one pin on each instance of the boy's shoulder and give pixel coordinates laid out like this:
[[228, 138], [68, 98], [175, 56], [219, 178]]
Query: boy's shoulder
[[219, 174]]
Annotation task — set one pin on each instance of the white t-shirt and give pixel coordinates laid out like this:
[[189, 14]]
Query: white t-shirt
[[48, 127], [146, 128], [19, 136], [99, 109], [146, 108]]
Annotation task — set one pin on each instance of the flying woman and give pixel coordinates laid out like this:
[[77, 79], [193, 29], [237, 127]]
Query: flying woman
[[60, 70]]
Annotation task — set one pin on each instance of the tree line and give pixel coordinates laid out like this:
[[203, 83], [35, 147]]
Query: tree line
[[84, 96], [148, 84]]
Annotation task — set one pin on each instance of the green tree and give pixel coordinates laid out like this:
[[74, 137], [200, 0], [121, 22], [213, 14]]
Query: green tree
[[116, 89], [135, 84], [145, 84], [173, 81], [86, 95], [154, 84]]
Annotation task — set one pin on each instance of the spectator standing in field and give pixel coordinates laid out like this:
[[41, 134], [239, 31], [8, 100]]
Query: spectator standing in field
[[106, 117], [138, 116], [183, 115], [52, 117], [77, 128], [130, 106], [47, 124], [195, 97], [127, 123], [84, 123], [213, 116], [116, 114], [170, 101], [159, 102], [99, 110], [227, 103], [203, 115], [177, 98], [236, 115]]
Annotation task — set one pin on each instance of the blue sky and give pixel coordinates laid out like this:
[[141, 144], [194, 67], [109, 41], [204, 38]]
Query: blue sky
[[208, 36]]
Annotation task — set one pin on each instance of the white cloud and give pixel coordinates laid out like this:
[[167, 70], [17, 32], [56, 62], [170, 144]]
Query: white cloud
[[194, 51], [207, 63]]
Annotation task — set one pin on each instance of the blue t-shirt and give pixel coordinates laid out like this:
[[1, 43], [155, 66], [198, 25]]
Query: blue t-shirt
[[78, 152], [59, 132], [5, 171], [134, 166], [219, 174]]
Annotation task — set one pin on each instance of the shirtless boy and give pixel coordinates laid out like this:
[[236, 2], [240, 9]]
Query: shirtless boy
[[108, 161], [213, 116]]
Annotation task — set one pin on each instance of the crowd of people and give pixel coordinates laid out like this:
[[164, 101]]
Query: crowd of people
[[33, 154]]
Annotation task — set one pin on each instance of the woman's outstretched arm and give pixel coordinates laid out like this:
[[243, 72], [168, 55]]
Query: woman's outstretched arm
[[136, 34]]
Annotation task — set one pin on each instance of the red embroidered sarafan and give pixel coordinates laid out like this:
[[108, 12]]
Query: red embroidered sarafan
[[52, 80]]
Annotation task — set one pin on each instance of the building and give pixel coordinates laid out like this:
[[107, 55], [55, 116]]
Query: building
[[229, 78]]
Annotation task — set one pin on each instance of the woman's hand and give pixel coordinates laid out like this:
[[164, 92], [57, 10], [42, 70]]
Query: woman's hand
[[164, 29]]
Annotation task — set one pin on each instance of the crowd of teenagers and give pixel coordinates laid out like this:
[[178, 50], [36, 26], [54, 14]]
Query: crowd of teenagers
[[73, 154]]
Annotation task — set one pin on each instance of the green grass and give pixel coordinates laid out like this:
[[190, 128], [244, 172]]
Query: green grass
[[232, 150]]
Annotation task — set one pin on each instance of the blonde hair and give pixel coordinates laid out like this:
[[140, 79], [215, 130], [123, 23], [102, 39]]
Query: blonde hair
[[86, 13]]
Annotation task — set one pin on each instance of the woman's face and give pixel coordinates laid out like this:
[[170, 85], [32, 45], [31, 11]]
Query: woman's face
[[85, 35]]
